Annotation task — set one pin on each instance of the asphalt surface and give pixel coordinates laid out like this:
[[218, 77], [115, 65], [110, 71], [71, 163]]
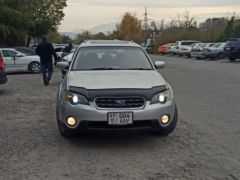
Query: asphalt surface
[[205, 145]]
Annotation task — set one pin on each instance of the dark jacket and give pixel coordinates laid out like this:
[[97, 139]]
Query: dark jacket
[[46, 51]]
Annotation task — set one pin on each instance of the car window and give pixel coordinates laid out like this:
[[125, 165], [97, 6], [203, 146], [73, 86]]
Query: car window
[[90, 58], [25, 50], [59, 49], [8, 53], [217, 45], [233, 42], [188, 43]]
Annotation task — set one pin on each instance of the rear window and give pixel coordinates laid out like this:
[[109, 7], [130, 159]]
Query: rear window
[[119, 58]]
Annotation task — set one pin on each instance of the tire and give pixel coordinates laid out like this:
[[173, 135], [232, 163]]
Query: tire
[[35, 67], [64, 131], [232, 59], [171, 127]]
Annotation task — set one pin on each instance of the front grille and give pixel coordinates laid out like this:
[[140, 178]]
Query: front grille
[[118, 102]]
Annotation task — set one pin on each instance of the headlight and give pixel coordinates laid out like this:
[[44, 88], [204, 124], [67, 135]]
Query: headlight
[[162, 97], [74, 98]]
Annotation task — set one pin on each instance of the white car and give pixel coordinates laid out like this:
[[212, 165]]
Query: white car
[[184, 47], [16, 61]]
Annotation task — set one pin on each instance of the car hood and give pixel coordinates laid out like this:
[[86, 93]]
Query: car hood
[[115, 79]]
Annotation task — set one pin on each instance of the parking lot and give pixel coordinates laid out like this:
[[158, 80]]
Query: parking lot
[[205, 144]]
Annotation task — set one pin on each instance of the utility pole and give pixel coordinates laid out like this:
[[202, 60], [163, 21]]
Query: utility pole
[[145, 20]]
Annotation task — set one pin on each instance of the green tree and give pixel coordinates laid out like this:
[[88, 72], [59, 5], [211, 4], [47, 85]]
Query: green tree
[[19, 18], [46, 16], [14, 22]]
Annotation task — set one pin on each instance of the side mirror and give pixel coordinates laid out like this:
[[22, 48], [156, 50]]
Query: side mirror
[[62, 65], [159, 64]]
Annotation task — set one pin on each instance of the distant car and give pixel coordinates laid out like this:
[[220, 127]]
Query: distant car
[[232, 49], [3, 75], [215, 51], [68, 58], [205, 49], [150, 49], [197, 52], [59, 50], [114, 87], [184, 48], [172, 49], [16, 61], [164, 49]]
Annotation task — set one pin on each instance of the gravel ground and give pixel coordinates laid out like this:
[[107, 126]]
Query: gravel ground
[[205, 145]]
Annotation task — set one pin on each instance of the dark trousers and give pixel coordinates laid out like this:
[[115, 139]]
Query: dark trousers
[[47, 70]]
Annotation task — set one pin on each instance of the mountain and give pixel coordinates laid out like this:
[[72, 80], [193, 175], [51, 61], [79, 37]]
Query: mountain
[[104, 28], [72, 35]]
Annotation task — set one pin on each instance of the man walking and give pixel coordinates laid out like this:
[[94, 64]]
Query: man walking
[[46, 51]]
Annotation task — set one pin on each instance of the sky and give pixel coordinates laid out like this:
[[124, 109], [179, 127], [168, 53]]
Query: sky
[[86, 14]]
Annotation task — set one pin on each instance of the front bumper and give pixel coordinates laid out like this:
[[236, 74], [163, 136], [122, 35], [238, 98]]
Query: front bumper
[[90, 118]]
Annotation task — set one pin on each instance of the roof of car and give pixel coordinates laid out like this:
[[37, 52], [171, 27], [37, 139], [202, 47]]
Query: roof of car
[[100, 43]]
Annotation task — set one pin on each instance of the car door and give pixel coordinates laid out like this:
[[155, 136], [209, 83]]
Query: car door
[[15, 61], [8, 59], [21, 60]]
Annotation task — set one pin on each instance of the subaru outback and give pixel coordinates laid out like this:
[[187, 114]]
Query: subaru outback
[[113, 86]]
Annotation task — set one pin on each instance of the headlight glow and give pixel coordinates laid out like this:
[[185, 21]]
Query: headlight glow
[[162, 97], [74, 98]]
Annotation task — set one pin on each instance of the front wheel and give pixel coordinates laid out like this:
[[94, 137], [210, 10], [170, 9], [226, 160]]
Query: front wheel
[[172, 126], [35, 67], [64, 131]]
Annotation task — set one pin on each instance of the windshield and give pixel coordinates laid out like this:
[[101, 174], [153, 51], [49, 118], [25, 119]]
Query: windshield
[[111, 58]]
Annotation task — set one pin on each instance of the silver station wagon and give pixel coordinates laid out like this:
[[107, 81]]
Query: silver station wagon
[[113, 86]]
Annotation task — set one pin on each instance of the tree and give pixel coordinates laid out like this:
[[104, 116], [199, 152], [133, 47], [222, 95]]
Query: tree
[[19, 18], [130, 28], [46, 16], [14, 22]]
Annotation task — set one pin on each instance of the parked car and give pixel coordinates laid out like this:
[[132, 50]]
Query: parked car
[[214, 51], [232, 49], [68, 58], [113, 86], [164, 49], [185, 47], [149, 49], [18, 61], [198, 52], [172, 49], [3, 75]]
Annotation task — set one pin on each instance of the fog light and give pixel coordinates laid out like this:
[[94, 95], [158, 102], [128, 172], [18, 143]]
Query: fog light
[[71, 121], [165, 119]]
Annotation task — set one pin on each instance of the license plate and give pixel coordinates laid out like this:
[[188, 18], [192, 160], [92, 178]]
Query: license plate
[[121, 118]]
